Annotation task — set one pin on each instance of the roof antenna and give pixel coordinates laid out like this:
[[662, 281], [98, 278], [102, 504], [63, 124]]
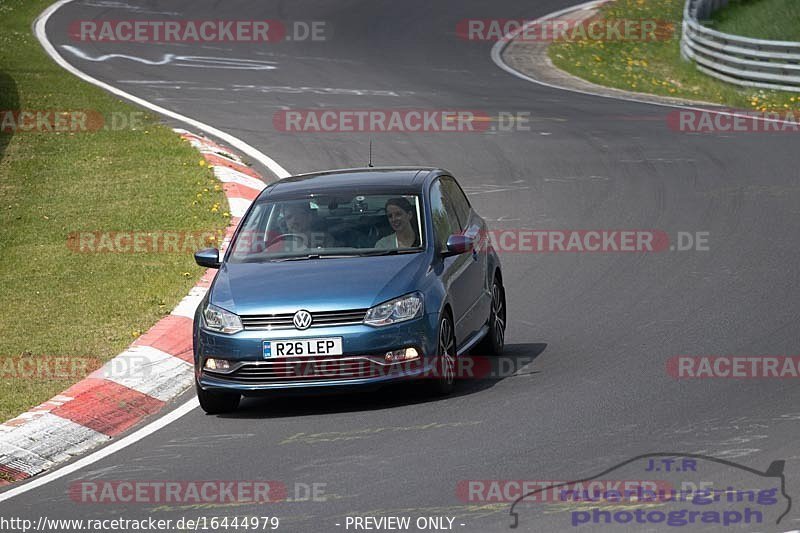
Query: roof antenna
[[370, 165]]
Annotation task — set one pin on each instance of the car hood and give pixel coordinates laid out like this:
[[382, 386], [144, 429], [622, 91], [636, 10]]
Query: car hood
[[315, 284]]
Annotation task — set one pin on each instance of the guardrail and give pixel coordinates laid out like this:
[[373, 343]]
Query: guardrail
[[734, 59]]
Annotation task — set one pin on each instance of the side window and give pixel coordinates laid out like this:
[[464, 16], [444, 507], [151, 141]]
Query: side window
[[458, 200], [444, 219], [251, 237]]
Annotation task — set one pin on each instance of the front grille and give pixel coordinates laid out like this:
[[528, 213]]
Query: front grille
[[318, 320], [311, 369]]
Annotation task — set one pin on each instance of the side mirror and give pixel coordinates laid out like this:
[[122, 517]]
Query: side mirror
[[208, 257], [459, 244]]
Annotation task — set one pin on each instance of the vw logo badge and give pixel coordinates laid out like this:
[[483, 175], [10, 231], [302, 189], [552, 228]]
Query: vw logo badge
[[302, 319]]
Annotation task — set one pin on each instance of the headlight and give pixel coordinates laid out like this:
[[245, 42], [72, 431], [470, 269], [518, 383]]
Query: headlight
[[218, 319], [394, 311]]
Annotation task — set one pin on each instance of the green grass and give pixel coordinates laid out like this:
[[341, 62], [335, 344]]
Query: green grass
[[56, 302], [656, 67], [777, 20]]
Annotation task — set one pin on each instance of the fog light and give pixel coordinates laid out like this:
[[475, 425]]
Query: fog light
[[217, 364], [405, 354]]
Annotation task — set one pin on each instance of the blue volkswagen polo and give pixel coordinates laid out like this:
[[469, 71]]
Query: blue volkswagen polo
[[348, 278]]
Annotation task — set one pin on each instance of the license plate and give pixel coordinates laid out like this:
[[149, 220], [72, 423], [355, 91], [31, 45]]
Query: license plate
[[302, 347]]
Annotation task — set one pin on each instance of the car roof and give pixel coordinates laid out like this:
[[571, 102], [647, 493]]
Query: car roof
[[368, 179]]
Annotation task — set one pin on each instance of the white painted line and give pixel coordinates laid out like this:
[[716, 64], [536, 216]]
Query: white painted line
[[239, 206], [188, 305], [226, 63], [102, 453], [501, 44], [149, 371], [39, 28]]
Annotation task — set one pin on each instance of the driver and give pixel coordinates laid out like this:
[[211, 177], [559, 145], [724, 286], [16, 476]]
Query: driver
[[299, 218]]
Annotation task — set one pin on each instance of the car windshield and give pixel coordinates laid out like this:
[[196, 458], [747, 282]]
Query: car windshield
[[330, 226]]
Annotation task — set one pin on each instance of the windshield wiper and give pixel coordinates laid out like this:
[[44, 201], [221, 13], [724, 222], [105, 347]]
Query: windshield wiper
[[296, 258], [373, 253], [310, 256], [394, 251]]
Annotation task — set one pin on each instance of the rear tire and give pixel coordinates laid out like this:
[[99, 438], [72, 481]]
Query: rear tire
[[446, 355], [494, 341], [214, 403]]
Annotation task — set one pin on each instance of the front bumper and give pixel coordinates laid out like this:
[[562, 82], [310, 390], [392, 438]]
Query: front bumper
[[362, 364], [316, 373]]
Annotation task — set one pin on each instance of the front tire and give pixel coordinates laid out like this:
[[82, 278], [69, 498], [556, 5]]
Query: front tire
[[214, 403], [445, 358], [494, 341]]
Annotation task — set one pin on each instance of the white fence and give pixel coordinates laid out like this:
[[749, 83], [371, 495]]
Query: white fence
[[734, 59]]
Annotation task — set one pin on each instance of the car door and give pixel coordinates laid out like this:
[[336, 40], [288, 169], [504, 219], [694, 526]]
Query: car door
[[454, 272], [474, 277]]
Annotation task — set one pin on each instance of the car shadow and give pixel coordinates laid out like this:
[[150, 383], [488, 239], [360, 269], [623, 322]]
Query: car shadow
[[514, 362], [485, 374], [9, 101]]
